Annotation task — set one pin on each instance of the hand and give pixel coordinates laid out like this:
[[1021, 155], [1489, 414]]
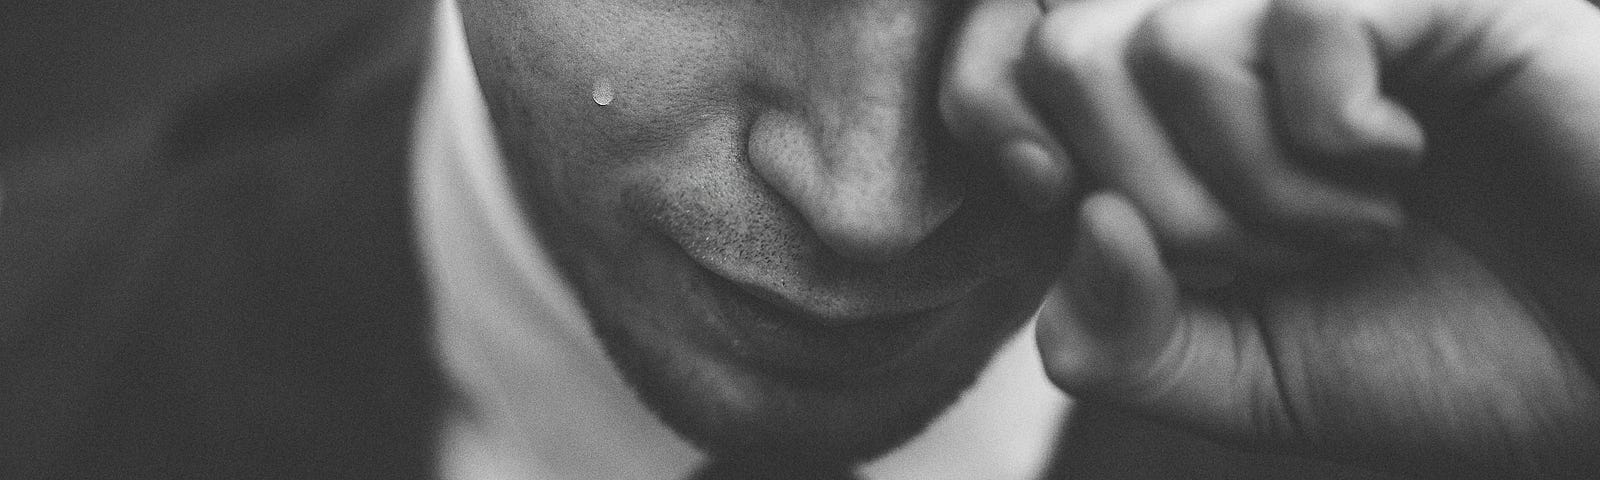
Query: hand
[[1428, 310]]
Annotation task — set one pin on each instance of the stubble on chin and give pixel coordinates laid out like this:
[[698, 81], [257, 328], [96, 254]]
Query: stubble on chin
[[737, 411]]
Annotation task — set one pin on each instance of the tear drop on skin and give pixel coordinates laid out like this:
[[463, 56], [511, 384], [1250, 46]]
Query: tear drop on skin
[[602, 93]]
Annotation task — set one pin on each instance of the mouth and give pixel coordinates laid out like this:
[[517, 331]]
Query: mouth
[[845, 299], [762, 330], [772, 297]]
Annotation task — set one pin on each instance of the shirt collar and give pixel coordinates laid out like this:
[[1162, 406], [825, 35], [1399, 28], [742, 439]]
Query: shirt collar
[[536, 396]]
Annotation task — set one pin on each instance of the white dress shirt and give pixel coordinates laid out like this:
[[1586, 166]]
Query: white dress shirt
[[535, 396]]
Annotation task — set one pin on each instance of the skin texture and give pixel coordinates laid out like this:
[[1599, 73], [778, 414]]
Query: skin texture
[[1456, 139], [1354, 229], [776, 239]]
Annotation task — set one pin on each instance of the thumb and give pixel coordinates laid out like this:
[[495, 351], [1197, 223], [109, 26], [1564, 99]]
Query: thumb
[[1117, 330], [1115, 313]]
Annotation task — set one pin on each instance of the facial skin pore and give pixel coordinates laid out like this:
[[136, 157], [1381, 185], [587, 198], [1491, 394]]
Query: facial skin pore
[[776, 240]]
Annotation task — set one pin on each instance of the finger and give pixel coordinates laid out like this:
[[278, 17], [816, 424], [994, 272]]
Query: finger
[[1075, 70], [1113, 315], [1330, 101], [980, 103], [1118, 331], [1195, 61]]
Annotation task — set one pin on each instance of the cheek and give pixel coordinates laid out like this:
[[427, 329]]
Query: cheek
[[662, 70], [675, 78]]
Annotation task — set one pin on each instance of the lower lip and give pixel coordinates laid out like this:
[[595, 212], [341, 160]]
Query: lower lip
[[790, 344]]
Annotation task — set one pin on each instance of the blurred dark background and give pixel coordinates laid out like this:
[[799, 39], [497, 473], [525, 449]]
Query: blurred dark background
[[89, 70]]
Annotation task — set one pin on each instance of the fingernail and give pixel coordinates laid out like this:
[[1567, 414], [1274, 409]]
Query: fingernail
[[1393, 137], [1037, 176]]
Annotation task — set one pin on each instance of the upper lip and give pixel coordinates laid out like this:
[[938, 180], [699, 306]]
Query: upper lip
[[846, 299], [745, 236]]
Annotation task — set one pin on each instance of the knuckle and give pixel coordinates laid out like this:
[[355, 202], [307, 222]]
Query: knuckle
[[1171, 40], [1075, 46], [1178, 51]]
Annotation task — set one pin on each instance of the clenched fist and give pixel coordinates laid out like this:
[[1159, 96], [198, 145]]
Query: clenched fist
[[1364, 230]]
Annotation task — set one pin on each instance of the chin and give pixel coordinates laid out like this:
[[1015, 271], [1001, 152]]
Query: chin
[[744, 332], [685, 302], [753, 401]]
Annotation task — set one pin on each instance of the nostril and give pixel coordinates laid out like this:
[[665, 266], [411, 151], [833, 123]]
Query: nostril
[[869, 201]]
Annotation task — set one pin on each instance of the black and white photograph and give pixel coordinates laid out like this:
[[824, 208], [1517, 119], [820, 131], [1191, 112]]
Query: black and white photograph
[[799, 239]]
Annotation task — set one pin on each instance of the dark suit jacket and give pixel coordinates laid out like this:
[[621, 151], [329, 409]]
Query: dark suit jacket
[[240, 298]]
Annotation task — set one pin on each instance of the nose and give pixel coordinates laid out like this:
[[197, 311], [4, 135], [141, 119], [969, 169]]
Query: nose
[[850, 150]]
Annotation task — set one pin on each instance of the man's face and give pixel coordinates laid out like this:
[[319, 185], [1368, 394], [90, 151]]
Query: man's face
[[776, 240]]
